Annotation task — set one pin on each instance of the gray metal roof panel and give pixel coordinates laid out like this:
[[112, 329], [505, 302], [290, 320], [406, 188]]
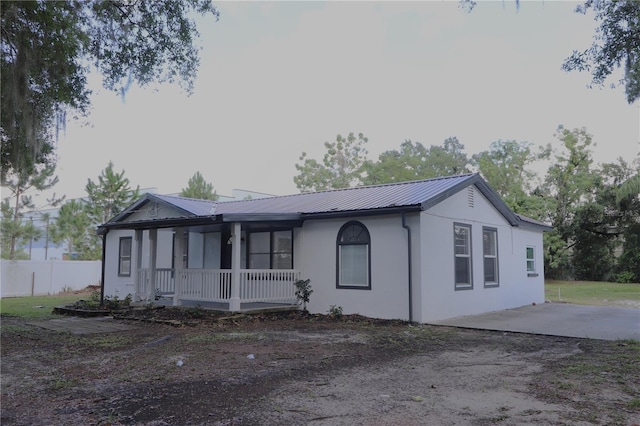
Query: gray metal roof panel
[[401, 194], [191, 205]]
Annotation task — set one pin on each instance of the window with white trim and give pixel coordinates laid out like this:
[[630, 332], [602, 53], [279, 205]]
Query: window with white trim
[[124, 257], [531, 259], [353, 257], [490, 255], [462, 256]]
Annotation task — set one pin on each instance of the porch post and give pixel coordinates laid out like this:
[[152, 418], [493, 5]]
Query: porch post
[[138, 283], [234, 301], [153, 250], [178, 265]]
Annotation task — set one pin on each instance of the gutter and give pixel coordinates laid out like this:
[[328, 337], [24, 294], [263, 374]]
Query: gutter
[[362, 213], [104, 256], [405, 226]]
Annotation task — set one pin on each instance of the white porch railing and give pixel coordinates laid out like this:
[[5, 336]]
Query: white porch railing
[[268, 285], [205, 285], [164, 283], [214, 285]]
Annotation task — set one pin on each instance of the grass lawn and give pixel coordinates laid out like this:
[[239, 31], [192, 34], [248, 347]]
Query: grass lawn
[[36, 306], [593, 293]]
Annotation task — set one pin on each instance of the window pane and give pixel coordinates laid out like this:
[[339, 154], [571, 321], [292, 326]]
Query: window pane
[[354, 268], [463, 275], [462, 240], [529, 252], [282, 241], [125, 247], [259, 261], [489, 242], [354, 234], [490, 270], [282, 261], [259, 242], [530, 266], [125, 266]]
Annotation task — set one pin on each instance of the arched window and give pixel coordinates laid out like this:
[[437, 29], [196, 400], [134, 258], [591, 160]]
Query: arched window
[[353, 257]]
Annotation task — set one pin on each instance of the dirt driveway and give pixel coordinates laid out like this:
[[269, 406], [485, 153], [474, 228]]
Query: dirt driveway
[[274, 370]]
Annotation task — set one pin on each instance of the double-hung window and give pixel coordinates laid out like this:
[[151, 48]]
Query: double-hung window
[[490, 255], [462, 255], [124, 257], [531, 261], [353, 253]]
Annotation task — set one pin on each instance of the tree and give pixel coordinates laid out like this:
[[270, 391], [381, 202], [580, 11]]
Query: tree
[[616, 44], [106, 198], [109, 195], [197, 187], [71, 227], [450, 159], [48, 45], [341, 167], [414, 161], [506, 167], [629, 188], [569, 183], [14, 230], [601, 226], [408, 163], [15, 233]]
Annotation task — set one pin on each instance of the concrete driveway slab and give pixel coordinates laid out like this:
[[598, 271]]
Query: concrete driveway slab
[[75, 325], [558, 319]]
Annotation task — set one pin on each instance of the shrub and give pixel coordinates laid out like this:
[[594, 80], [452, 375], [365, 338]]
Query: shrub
[[303, 291], [335, 311]]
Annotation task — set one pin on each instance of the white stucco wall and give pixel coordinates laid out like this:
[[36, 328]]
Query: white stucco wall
[[439, 299], [315, 257], [122, 286], [113, 284]]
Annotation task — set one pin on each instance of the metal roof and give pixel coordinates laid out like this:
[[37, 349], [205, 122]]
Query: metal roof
[[392, 195], [191, 205], [375, 199]]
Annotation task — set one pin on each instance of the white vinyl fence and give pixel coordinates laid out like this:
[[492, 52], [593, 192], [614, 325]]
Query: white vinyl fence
[[35, 277]]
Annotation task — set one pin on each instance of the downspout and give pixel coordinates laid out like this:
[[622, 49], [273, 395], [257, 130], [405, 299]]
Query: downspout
[[405, 226], [104, 255]]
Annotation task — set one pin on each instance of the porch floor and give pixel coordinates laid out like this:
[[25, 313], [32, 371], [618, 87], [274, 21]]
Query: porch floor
[[253, 307]]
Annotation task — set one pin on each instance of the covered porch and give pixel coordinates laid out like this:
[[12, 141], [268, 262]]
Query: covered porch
[[214, 288], [233, 266]]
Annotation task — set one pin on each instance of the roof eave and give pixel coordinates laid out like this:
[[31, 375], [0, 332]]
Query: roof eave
[[535, 226], [170, 222], [363, 213], [260, 217]]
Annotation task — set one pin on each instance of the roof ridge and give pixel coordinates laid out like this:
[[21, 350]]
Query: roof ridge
[[184, 198], [378, 185]]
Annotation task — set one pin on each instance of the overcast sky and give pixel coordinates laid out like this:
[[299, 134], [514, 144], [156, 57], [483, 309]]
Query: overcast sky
[[277, 79]]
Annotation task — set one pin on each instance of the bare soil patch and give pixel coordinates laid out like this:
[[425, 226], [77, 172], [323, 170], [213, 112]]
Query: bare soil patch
[[273, 369]]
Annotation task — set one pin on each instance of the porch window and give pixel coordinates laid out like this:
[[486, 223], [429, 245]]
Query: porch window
[[490, 254], [282, 254], [271, 250], [185, 251], [353, 255], [462, 254], [124, 257]]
